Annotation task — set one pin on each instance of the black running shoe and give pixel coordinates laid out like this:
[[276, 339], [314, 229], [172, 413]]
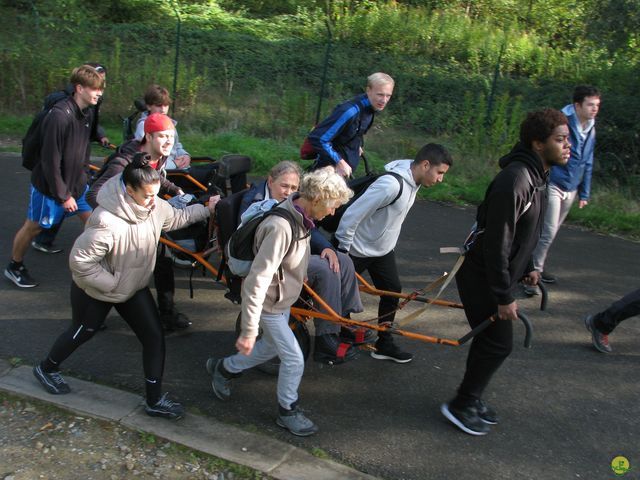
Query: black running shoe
[[20, 276], [165, 408], [547, 277], [486, 413], [51, 381], [466, 419], [390, 351]]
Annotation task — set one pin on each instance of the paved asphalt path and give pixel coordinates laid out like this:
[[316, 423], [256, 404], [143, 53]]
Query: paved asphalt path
[[565, 410]]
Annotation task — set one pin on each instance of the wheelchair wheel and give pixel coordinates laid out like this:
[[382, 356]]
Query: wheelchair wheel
[[300, 331]]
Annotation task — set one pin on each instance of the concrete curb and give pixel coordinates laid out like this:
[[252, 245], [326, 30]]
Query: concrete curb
[[276, 458]]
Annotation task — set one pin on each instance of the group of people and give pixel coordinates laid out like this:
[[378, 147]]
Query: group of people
[[113, 260]]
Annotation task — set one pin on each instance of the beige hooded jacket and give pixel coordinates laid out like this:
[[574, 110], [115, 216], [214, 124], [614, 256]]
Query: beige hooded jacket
[[115, 255], [278, 269]]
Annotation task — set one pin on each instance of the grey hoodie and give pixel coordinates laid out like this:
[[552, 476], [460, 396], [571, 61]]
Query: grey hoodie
[[370, 227], [115, 255]]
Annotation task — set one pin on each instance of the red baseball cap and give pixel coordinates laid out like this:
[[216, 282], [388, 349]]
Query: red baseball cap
[[158, 122]]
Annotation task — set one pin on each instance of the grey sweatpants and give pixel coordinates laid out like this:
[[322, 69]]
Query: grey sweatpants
[[277, 339], [339, 290]]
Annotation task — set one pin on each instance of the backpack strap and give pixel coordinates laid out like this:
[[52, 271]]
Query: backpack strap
[[400, 181]]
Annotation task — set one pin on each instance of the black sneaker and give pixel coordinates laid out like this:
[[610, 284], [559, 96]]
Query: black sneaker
[[20, 276], [547, 277], [296, 422], [357, 335], [174, 320], [165, 408], [44, 248], [466, 419], [220, 384], [390, 351], [600, 340], [329, 348], [487, 414], [51, 381]]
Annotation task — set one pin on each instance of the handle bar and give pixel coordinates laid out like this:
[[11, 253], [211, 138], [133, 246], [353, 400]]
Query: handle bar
[[528, 330]]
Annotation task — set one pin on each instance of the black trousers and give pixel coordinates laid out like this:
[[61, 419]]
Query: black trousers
[[492, 346], [627, 306], [384, 275], [139, 312]]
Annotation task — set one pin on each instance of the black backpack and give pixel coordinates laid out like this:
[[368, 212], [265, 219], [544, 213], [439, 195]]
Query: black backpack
[[239, 249], [359, 186], [32, 141]]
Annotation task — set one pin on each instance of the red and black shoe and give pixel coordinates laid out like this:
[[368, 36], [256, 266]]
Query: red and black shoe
[[329, 348]]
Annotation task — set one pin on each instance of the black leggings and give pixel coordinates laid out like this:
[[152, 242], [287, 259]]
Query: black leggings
[[139, 312]]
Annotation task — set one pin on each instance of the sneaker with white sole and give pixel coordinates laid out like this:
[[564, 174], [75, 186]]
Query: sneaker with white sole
[[599, 340], [390, 351], [296, 422], [165, 408], [486, 413], [20, 276], [44, 248], [466, 419], [53, 382]]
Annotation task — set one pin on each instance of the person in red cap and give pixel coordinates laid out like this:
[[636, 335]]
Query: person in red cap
[[159, 134]]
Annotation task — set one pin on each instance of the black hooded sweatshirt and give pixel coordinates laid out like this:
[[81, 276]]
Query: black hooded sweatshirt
[[510, 219]]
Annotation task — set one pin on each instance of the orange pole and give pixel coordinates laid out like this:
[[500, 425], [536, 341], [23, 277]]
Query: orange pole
[[196, 255], [370, 289]]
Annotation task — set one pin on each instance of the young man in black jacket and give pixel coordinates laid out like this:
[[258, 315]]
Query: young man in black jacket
[[44, 241], [508, 226], [338, 138], [59, 181]]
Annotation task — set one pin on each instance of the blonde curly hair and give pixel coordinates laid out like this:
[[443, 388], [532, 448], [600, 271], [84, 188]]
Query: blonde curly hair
[[326, 186]]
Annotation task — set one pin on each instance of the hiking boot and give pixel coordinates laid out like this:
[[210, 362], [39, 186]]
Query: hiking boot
[[487, 414], [329, 349], [357, 335], [296, 422], [466, 419], [20, 276], [547, 277], [44, 248], [600, 340], [530, 290], [51, 381], [390, 351], [220, 384], [174, 320], [165, 408]]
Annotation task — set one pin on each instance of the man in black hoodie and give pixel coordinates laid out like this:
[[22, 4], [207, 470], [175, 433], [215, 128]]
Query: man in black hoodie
[[508, 226], [58, 180]]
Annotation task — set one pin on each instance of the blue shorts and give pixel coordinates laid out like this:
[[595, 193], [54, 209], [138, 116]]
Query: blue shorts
[[47, 211]]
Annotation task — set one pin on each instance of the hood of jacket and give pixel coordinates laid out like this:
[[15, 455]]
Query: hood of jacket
[[403, 168], [570, 112], [114, 198], [527, 156]]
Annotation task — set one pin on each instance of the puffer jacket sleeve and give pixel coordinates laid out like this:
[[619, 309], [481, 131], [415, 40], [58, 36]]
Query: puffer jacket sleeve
[[86, 260], [174, 218]]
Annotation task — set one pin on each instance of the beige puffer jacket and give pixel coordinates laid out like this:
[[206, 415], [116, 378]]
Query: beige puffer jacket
[[115, 255]]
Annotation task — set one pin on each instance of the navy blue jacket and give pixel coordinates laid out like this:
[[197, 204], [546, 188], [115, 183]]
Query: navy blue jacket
[[576, 174], [339, 136]]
